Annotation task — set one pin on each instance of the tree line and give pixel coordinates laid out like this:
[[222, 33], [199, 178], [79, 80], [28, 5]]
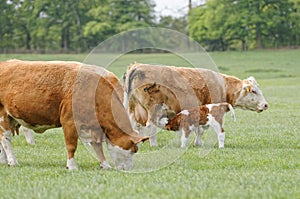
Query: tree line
[[80, 25]]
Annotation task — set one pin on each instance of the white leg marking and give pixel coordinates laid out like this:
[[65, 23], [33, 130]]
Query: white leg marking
[[199, 132], [152, 134], [3, 159], [221, 139], [183, 139], [6, 143], [71, 164], [218, 130], [28, 133]]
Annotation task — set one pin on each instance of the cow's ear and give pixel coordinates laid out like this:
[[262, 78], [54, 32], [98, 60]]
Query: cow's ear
[[247, 87], [252, 80]]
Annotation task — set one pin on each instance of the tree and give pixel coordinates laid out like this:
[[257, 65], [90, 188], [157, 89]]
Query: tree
[[255, 23]]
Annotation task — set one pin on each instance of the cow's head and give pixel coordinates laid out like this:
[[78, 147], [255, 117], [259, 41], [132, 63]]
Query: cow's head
[[251, 97], [123, 150]]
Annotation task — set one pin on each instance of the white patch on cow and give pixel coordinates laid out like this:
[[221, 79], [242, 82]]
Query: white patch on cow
[[185, 112], [3, 158], [123, 159], [71, 164], [183, 139], [192, 127], [221, 139], [232, 112], [199, 132], [125, 103], [217, 128], [6, 143], [28, 135], [163, 121], [2, 119]]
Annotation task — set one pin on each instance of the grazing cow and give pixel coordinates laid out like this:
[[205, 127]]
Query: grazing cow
[[84, 100], [186, 121], [184, 88]]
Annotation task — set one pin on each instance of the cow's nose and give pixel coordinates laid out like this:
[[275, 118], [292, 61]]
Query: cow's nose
[[266, 106]]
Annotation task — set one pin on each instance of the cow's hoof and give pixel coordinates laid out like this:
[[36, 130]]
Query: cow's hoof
[[71, 164], [13, 163], [105, 165]]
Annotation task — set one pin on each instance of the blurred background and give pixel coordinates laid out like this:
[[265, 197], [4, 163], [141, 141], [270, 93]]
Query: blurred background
[[76, 26]]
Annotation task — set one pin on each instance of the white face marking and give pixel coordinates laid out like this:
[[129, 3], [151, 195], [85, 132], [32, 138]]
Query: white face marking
[[251, 99], [185, 112], [2, 119], [123, 159]]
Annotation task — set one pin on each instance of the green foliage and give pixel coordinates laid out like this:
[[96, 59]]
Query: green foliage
[[225, 24], [46, 25]]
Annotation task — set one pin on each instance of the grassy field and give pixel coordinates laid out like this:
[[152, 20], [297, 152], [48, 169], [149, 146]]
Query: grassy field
[[261, 158]]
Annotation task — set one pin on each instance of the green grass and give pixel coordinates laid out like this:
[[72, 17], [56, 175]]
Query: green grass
[[261, 158]]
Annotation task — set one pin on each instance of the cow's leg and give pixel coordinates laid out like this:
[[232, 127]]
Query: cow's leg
[[98, 147], [198, 132], [184, 137], [28, 133], [71, 139], [3, 158], [221, 138], [6, 145], [152, 134]]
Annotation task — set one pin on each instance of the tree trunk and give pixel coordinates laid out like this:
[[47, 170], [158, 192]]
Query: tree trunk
[[258, 36]]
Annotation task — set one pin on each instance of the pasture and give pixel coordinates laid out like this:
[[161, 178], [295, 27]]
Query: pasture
[[261, 158]]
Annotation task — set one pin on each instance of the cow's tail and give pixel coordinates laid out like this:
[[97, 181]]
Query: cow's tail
[[128, 77], [232, 112]]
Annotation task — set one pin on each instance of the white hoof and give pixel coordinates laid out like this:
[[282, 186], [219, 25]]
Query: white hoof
[[12, 163], [71, 164], [105, 165]]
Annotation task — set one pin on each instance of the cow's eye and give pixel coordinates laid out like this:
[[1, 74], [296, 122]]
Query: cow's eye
[[253, 91]]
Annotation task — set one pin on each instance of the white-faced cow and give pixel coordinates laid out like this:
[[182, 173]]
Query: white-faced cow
[[186, 121], [84, 100], [184, 88]]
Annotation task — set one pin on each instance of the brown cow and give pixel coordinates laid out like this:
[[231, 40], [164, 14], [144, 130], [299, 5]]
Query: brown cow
[[186, 121], [183, 88], [84, 100]]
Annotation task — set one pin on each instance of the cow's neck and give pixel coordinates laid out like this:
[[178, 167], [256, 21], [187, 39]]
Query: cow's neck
[[119, 138], [233, 88]]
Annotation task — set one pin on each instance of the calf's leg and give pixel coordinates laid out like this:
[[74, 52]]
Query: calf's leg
[[198, 132]]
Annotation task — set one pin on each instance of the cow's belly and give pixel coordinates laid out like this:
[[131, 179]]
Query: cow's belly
[[38, 111], [37, 128]]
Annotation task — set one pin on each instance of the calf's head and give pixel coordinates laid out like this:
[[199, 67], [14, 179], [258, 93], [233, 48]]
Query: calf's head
[[251, 97]]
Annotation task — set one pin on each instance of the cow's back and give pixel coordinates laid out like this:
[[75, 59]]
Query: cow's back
[[34, 91], [190, 86]]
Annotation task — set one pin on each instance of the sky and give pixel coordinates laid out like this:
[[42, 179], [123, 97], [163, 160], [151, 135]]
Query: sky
[[175, 8]]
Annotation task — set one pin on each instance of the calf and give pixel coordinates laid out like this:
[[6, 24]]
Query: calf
[[198, 117]]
